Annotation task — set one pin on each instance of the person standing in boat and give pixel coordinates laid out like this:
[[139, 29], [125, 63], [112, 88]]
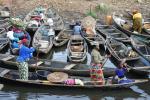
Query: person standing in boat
[[25, 53], [137, 21], [77, 29], [96, 62]]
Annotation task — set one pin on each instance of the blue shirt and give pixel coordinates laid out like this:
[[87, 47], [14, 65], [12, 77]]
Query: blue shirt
[[25, 53], [77, 30], [120, 72]]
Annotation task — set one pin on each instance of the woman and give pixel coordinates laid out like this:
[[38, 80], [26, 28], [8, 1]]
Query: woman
[[96, 62], [25, 53]]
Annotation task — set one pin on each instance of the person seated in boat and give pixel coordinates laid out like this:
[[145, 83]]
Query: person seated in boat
[[33, 23], [96, 62], [77, 29], [120, 73], [18, 33], [137, 21], [25, 53]]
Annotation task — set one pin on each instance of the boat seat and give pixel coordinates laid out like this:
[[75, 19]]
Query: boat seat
[[115, 33], [43, 43], [8, 58], [4, 72], [77, 48], [37, 63], [73, 43]]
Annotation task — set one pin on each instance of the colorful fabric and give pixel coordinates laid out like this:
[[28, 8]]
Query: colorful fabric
[[97, 73], [19, 35], [23, 70]]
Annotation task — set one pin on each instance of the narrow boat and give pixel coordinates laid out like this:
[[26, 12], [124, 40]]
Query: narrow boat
[[57, 19], [120, 51], [62, 37], [141, 48], [77, 49], [111, 31], [33, 19], [9, 61], [15, 50], [43, 39], [3, 39], [127, 29], [12, 76], [93, 38]]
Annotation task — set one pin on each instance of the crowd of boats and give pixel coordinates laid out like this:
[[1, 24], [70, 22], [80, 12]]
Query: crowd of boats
[[117, 41]]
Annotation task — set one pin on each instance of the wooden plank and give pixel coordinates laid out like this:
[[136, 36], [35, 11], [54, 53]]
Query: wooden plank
[[37, 64], [4, 72], [67, 67], [8, 58]]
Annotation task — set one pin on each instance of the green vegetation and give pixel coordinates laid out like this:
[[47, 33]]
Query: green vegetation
[[98, 10]]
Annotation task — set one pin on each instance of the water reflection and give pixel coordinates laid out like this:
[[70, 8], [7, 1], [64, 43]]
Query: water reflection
[[20, 93]]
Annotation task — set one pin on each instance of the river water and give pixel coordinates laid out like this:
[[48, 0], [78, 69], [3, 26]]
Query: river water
[[8, 92]]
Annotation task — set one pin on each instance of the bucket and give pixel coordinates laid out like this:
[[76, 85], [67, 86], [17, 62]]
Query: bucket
[[42, 74], [108, 20]]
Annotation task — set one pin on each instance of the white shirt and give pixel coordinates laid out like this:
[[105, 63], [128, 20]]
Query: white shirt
[[51, 32], [10, 35], [50, 22]]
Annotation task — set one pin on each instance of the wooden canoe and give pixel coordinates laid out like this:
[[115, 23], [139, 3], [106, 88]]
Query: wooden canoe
[[62, 37], [111, 31], [27, 20], [77, 49], [120, 51], [9, 61], [12, 76], [15, 51], [93, 38], [141, 48], [44, 38], [127, 31], [3, 39]]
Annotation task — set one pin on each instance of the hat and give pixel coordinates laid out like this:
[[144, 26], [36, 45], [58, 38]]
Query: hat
[[24, 41], [57, 77]]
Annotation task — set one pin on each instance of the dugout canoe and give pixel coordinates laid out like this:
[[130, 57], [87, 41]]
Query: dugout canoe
[[120, 51], [77, 49], [8, 76], [62, 38], [9, 61], [128, 30], [43, 39], [111, 31]]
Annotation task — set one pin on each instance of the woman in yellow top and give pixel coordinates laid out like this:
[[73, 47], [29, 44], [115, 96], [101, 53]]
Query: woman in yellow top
[[137, 21]]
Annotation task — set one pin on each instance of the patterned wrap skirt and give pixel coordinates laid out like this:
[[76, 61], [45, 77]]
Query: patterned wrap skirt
[[96, 73], [23, 70]]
